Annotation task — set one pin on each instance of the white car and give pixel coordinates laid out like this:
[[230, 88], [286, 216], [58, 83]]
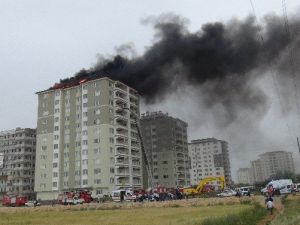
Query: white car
[[32, 204], [227, 193]]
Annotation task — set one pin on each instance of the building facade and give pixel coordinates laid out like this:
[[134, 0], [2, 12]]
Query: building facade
[[87, 138], [165, 142], [244, 176], [209, 157], [17, 166], [270, 163]]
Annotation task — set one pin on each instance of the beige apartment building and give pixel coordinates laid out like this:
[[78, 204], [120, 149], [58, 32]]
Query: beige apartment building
[[17, 162], [87, 138], [209, 157], [165, 141], [270, 163]]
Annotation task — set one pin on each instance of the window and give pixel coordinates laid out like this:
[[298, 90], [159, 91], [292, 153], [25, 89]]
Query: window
[[55, 174], [97, 93], [56, 102], [85, 96], [97, 171], [56, 128], [97, 140], [55, 155], [54, 184], [84, 142], [85, 172], [55, 165], [85, 152], [97, 181], [56, 137], [97, 112], [85, 182], [97, 151]]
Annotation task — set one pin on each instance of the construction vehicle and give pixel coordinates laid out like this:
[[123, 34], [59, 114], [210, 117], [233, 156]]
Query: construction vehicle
[[75, 197], [14, 201], [204, 186]]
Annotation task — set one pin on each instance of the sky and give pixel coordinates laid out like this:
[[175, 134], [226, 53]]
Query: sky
[[42, 42]]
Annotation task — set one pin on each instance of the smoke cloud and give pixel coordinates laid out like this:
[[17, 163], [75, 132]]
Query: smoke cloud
[[221, 61]]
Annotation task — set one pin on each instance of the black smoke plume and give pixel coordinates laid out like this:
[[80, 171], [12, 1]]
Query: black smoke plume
[[221, 59]]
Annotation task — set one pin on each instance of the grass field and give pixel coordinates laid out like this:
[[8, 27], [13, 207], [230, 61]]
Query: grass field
[[175, 213], [290, 215]]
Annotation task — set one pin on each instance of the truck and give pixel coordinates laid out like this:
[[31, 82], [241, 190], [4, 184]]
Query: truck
[[205, 186], [75, 197], [282, 186], [14, 201]]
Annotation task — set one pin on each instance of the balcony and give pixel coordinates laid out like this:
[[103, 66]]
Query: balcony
[[122, 171], [122, 131], [180, 155], [180, 169], [134, 101], [122, 160], [180, 161], [135, 154], [120, 94], [121, 87], [122, 103], [122, 181], [122, 112], [122, 151], [135, 144], [123, 141], [136, 163], [119, 121], [136, 172]]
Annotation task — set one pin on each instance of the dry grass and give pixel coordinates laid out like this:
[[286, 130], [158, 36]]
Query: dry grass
[[189, 212]]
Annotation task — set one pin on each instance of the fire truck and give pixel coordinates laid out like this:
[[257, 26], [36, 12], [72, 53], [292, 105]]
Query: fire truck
[[14, 201], [75, 197]]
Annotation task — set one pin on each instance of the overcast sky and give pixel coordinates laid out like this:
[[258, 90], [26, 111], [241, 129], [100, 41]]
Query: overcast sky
[[44, 41]]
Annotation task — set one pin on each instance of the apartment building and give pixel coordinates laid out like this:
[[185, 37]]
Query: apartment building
[[87, 137], [165, 142], [270, 163], [209, 157], [244, 176], [17, 166]]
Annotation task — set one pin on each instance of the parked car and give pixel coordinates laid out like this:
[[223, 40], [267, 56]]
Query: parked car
[[227, 193], [32, 203]]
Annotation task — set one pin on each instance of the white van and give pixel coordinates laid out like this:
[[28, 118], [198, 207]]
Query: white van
[[284, 185], [123, 195]]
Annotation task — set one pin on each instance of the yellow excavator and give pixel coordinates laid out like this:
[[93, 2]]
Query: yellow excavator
[[201, 187]]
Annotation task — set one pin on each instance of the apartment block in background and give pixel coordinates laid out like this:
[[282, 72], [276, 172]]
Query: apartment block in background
[[245, 176], [165, 141], [17, 162], [270, 163], [87, 137], [209, 157]]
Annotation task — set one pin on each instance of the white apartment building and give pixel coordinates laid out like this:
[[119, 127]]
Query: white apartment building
[[245, 176], [87, 137], [270, 163], [209, 157]]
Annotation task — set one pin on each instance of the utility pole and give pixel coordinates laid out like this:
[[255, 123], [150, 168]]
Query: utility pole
[[298, 144]]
